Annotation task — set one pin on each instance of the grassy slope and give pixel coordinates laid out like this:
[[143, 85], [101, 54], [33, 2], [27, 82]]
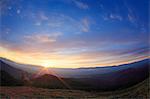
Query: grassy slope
[[140, 91]]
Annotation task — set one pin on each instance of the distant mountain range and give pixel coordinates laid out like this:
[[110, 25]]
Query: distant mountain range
[[99, 78]]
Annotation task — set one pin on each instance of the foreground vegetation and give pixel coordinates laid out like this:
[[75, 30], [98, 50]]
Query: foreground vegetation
[[139, 91]]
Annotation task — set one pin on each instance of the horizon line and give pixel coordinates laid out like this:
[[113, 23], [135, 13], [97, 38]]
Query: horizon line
[[75, 67]]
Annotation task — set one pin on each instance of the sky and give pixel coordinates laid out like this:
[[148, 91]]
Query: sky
[[74, 33]]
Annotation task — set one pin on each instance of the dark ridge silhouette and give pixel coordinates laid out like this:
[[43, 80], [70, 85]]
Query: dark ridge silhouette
[[8, 80], [15, 72], [11, 75], [120, 79], [47, 81], [51, 81]]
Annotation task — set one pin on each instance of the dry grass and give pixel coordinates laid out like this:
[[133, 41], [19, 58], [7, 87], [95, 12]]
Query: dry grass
[[34, 93], [139, 91]]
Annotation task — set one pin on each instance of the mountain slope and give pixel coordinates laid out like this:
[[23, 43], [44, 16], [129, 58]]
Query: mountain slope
[[120, 79], [15, 72], [47, 81], [8, 80]]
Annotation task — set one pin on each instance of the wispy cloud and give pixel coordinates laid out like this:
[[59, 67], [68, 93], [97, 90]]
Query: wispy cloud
[[6, 31], [80, 4], [112, 16], [18, 11], [39, 17], [131, 16], [42, 16], [85, 25], [43, 38], [38, 23], [115, 17]]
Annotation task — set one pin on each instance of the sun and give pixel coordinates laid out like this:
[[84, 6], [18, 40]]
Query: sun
[[46, 65]]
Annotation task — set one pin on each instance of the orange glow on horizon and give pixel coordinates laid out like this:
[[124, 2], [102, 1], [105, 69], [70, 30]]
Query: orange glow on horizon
[[62, 61]]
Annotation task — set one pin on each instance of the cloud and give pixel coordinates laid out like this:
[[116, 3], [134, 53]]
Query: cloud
[[43, 38], [39, 17], [4, 6], [85, 25], [38, 23], [6, 31], [101, 6], [42, 16], [87, 59], [131, 16], [74, 52], [60, 21], [18, 11], [80, 4], [112, 16], [7, 5], [115, 17], [113, 57], [54, 24]]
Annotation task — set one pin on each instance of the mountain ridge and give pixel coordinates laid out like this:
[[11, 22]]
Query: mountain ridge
[[147, 60]]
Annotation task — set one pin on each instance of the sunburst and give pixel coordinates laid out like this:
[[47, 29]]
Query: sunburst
[[47, 70]]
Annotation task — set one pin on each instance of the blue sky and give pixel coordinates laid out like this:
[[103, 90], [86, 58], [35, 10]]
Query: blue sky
[[74, 33]]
